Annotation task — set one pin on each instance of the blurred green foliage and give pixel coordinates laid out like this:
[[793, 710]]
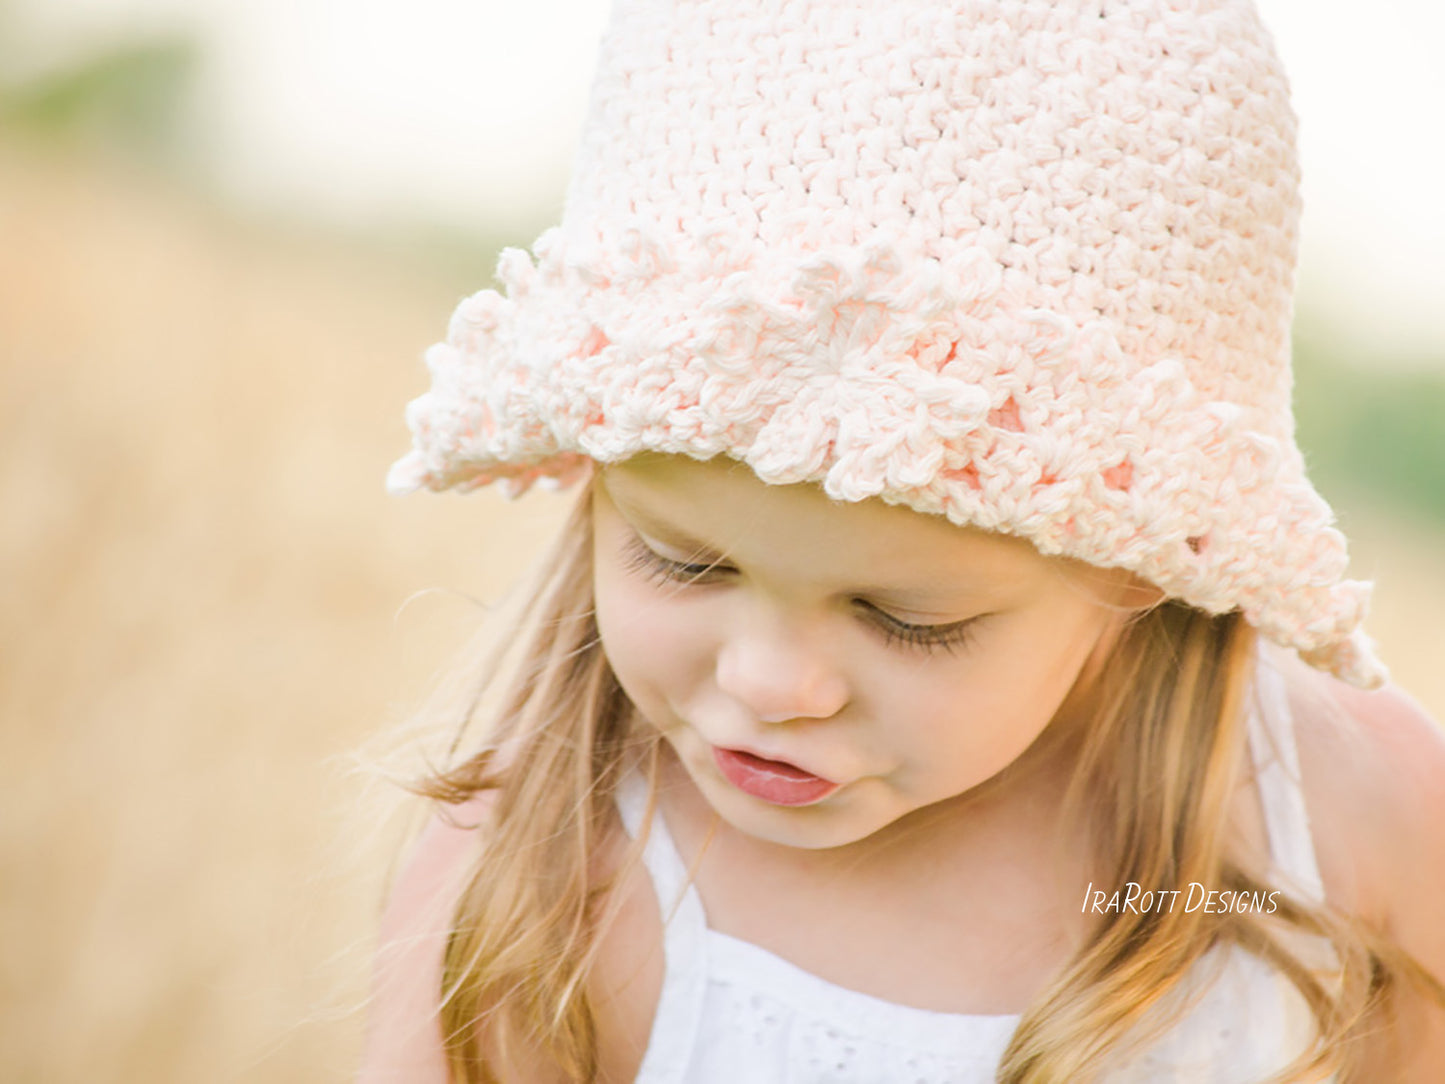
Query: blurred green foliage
[[130, 97], [1376, 430]]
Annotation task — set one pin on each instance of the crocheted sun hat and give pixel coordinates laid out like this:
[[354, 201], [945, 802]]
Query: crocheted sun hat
[[1026, 264]]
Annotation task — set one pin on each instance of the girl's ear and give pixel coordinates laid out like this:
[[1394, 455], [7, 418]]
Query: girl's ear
[[1128, 596], [1138, 594], [1117, 588]]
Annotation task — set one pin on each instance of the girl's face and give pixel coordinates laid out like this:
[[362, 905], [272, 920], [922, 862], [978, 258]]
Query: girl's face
[[822, 669]]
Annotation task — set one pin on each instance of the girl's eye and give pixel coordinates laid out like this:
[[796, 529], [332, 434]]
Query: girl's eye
[[641, 558], [948, 637]]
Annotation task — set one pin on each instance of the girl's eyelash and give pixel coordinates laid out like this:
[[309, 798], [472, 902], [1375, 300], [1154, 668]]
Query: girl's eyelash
[[643, 559], [949, 637]]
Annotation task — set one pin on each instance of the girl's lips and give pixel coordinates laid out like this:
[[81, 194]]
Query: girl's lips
[[774, 781]]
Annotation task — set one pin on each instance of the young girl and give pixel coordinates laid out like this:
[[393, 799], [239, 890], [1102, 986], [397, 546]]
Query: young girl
[[913, 695]]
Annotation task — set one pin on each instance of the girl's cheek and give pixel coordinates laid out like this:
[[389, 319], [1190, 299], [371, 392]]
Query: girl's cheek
[[653, 639]]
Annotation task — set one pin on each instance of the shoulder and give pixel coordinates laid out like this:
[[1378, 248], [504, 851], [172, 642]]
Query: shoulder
[[1402, 782], [1373, 770], [403, 1037]]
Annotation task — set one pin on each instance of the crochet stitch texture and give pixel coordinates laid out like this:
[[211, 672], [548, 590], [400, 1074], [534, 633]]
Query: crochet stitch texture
[[1026, 264]]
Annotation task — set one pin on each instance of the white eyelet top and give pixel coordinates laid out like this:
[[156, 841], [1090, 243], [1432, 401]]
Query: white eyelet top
[[732, 1012]]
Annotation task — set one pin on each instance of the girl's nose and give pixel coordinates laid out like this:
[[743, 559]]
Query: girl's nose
[[779, 679]]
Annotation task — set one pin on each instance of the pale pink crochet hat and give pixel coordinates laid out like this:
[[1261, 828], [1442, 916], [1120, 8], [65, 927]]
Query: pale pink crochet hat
[[1026, 264]]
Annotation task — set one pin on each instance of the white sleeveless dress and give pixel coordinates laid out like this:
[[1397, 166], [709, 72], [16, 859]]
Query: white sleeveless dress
[[733, 1013]]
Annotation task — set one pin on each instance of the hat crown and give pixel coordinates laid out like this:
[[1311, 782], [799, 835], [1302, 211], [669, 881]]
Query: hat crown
[[1130, 161]]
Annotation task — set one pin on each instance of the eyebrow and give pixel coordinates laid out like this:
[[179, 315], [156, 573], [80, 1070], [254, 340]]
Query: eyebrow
[[641, 519]]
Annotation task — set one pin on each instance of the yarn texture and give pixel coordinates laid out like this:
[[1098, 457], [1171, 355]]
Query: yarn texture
[[1026, 264]]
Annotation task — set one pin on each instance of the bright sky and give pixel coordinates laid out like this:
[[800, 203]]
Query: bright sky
[[466, 110]]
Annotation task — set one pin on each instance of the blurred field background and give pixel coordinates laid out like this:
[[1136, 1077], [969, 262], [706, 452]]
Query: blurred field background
[[204, 612]]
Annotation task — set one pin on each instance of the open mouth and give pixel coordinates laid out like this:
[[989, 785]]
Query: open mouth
[[774, 781]]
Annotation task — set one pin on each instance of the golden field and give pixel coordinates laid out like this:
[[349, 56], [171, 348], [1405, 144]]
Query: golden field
[[205, 616]]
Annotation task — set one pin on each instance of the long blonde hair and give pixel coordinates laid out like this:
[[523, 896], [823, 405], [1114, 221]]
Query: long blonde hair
[[1160, 764]]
